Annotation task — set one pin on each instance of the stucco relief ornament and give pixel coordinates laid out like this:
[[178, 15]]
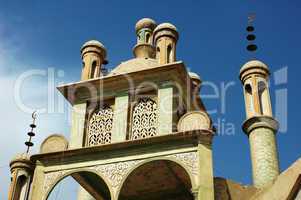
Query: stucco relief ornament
[[189, 160], [51, 178], [100, 126], [115, 172]]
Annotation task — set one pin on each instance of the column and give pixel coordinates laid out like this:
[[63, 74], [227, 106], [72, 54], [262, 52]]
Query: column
[[264, 156]]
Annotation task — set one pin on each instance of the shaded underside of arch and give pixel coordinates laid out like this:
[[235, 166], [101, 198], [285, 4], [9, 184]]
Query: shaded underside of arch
[[92, 183], [157, 180]]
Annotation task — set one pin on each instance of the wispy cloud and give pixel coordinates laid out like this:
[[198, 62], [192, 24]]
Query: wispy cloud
[[31, 93]]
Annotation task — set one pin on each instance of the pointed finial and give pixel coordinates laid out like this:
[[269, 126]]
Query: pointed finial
[[31, 134]]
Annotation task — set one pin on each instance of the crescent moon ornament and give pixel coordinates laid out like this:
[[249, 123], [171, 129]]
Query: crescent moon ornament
[[34, 115]]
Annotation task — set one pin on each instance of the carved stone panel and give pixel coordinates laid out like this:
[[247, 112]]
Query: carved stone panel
[[115, 173], [144, 120], [100, 127]]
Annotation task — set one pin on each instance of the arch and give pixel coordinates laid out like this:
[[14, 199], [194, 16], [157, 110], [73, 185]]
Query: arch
[[20, 191], [249, 100], [147, 38], [169, 54], [158, 53], [171, 165], [81, 172], [93, 69], [146, 86], [264, 99], [144, 119], [158, 49]]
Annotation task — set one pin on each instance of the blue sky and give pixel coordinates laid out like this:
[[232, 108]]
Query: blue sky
[[43, 34]]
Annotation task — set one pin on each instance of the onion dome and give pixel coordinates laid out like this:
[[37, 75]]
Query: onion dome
[[145, 23], [95, 43], [254, 64]]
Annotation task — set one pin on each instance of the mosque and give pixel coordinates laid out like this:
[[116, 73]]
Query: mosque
[[141, 132]]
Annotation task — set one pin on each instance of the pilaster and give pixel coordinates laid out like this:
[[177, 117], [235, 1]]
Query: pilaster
[[206, 186], [165, 109], [37, 184], [78, 125], [120, 120]]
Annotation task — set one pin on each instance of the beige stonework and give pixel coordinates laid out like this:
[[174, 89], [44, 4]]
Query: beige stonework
[[165, 37], [195, 120], [54, 143], [114, 168], [93, 56], [264, 156], [260, 125]]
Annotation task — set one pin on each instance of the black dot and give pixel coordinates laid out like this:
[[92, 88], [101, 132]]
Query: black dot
[[252, 47], [250, 28], [251, 37]]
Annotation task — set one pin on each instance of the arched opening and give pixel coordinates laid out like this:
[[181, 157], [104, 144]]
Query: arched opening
[[158, 54], [169, 54], [249, 100], [80, 185], [157, 180], [20, 192], [147, 38], [264, 99], [93, 70]]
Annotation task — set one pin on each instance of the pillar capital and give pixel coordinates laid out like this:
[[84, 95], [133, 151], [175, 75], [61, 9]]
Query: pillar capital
[[260, 121]]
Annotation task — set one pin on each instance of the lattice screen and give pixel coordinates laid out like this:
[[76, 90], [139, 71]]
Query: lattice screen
[[144, 120], [100, 126]]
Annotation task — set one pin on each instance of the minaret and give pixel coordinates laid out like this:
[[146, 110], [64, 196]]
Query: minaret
[[165, 38], [260, 126], [144, 30], [94, 56], [21, 169]]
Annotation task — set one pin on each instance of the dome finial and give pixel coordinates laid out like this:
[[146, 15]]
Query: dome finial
[[165, 39], [145, 23], [94, 55], [144, 30]]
